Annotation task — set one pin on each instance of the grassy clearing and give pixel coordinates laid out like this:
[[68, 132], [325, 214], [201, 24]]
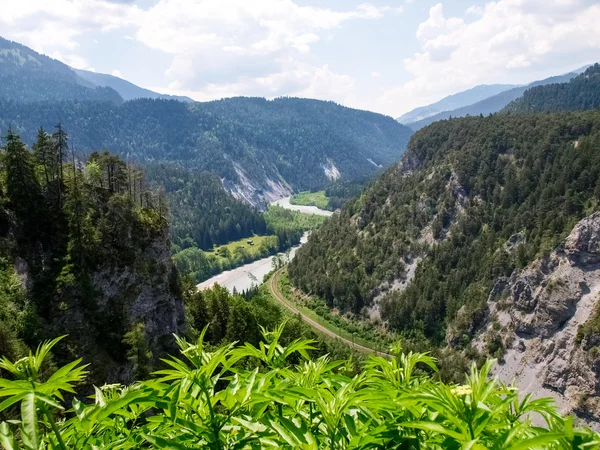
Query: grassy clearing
[[255, 250], [307, 198]]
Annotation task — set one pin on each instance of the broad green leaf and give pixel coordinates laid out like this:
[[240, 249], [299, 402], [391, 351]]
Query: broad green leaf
[[29, 423]]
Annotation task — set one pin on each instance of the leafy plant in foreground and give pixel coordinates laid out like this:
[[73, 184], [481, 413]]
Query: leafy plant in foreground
[[210, 399]]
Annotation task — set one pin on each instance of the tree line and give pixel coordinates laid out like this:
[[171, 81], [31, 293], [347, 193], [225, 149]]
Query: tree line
[[463, 189]]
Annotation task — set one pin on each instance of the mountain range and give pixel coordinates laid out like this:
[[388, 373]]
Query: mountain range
[[260, 149], [127, 90], [489, 99], [454, 101]]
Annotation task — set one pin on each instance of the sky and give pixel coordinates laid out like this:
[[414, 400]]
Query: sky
[[388, 56]]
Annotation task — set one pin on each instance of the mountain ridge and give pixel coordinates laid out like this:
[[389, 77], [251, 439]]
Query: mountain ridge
[[492, 104], [125, 88], [30, 76], [454, 101]]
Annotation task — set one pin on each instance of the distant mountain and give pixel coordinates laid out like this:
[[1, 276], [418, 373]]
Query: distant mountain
[[455, 101], [580, 93], [261, 149], [490, 105], [26, 75], [127, 90]]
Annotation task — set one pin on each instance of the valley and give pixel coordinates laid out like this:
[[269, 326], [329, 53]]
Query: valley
[[287, 272], [244, 277]]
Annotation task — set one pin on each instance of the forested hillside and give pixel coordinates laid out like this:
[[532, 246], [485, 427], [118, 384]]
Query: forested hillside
[[203, 214], [465, 190], [26, 75], [580, 93], [261, 148], [84, 251]]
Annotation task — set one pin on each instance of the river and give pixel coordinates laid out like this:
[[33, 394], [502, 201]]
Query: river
[[239, 278], [285, 202]]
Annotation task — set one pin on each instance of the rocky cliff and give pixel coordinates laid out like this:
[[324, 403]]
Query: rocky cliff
[[540, 320], [144, 292]]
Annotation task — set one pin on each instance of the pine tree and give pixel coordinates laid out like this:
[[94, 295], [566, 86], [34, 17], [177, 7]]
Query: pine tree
[[61, 144], [139, 353], [22, 186], [45, 154], [75, 207]]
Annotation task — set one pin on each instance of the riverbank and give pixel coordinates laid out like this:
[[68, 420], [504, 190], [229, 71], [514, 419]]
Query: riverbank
[[243, 277], [285, 203]]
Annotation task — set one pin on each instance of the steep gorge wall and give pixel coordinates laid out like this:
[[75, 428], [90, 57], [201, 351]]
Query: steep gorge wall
[[538, 312]]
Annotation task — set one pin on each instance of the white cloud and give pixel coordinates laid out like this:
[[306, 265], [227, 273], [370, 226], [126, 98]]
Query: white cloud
[[217, 47], [50, 24], [117, 73], [223, 41], [72, 60], [505, 41], [375, 74], [295, 79]]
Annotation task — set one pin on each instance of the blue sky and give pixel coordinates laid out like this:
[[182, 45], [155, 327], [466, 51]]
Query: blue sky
[[386, 56]]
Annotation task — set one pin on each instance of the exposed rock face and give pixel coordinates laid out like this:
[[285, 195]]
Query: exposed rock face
[[145, 292], [544, 305], [259, 195]]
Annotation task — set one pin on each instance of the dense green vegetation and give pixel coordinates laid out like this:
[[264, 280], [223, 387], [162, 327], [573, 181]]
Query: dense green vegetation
[[61, 223], [308, 198], [580, 93], [283, 230], [465, 185], [276, 396], [367, 333], [201, 264], [334, 196], [203, 213], [286, 138], [240, 318], [28, 76], [340, 191]]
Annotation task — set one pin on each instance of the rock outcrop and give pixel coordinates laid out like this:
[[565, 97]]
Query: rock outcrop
[[537, 313], [145, 292]]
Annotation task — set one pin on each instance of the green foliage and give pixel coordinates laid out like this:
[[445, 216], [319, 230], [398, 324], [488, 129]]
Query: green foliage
[[203, 213], [22, 186], [289, 225], [207, 399], [342, 190], [139, 352], [580, 93], [284, 230], [308, 198], [286, 139], [17, 317], [473, 182], [370, 334], [60, 223], [590, 329], [230, 318]]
